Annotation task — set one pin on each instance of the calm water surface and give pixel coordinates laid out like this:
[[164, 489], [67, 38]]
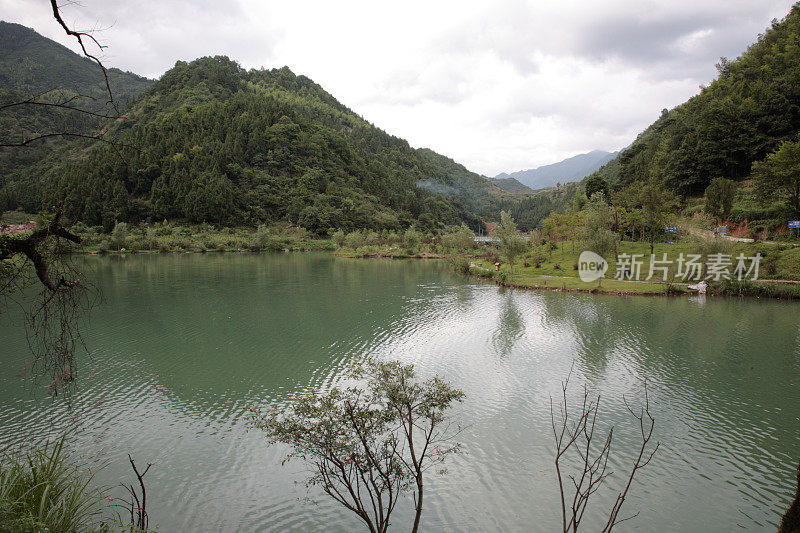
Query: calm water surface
[[183, 343]]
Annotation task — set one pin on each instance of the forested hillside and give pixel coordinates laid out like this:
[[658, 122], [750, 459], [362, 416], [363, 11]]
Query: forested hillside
[[212, 142], [737, 120], [33, 66], [530, 211], [511, 185]]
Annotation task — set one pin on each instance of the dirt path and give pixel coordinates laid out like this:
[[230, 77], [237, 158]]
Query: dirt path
[[708, 235]]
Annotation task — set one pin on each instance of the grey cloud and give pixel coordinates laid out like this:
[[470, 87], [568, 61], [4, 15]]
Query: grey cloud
[[654, 45], [640, 42], [508, 32], [147, 37], [630, 34], [440, 80]]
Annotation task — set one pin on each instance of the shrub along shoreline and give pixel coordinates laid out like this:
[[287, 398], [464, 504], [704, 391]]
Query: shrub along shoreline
[[543, 265], [547, 273]]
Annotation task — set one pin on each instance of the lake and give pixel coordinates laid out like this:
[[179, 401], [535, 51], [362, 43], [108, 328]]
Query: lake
[[182, 344]]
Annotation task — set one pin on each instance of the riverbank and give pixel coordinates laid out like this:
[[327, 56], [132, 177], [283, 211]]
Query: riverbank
[[543, 268], [171, 238], [554, 267], [573, 284], [779, 290], [545, 265]]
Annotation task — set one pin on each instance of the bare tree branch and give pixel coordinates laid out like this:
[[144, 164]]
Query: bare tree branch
[[52, 320], [64, 103], [67, 101], [646, 425], [26, 142], [80, 35], [136, 507], [578, 437]]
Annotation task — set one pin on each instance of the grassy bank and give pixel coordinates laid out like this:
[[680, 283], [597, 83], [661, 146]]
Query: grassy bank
[[528, 278], [544, 264], [554, 266], [782, 291]]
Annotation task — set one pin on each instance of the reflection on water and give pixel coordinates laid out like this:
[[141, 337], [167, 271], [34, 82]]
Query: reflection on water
[[510, 326], [183, 343]]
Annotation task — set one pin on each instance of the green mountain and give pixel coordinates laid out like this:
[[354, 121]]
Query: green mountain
[[212, 142], [510, 185], [532, 209], [737, 120], [31, 65]]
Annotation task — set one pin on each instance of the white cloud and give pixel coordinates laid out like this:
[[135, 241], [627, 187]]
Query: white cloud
[[498, 86]]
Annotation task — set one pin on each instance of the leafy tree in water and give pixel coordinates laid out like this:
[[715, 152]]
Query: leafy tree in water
[[719, 198], [778, 176], [367, 445], [512, 241]]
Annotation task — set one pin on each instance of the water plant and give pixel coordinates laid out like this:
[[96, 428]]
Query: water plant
[[44, 490]]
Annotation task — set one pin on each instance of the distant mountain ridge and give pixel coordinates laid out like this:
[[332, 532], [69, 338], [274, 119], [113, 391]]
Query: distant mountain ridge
[[571, 169], [510, 185]]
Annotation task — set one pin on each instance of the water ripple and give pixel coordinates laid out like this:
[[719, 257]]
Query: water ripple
[[183, 344]]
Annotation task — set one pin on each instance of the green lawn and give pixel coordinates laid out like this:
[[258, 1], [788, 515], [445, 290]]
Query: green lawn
[[557, 268]]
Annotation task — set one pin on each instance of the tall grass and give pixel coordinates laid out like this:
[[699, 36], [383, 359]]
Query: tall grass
[[783, 291], [42, 490], [706, 247]]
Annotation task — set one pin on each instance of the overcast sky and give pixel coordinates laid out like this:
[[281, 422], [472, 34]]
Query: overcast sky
[[496, 85]]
